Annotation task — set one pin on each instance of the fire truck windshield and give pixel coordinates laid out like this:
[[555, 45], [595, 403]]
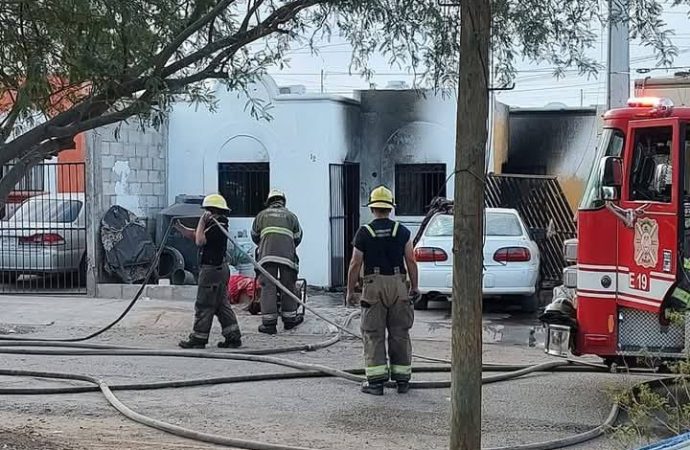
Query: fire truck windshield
[[610, 144]]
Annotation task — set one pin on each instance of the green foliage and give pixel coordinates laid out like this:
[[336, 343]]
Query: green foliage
[[71, 65], [657, 410]]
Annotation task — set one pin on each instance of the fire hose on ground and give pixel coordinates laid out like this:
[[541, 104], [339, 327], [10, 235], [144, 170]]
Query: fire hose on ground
[[77, 347]]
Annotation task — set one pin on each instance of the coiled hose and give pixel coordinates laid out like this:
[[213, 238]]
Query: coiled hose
[[309, 371]]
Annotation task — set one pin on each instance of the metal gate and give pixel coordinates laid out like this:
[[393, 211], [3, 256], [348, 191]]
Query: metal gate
[[344, 218], [542, 205], [43, 232]]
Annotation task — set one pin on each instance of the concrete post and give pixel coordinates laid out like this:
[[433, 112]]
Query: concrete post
[[618, 80], [93, 210]]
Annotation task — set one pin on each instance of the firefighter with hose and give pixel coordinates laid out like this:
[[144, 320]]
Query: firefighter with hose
[[211, 297], [384, 248], [277, 233]]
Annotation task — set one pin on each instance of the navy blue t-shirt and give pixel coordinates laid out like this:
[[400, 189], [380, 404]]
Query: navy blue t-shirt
[[213, 252], [385, 251]]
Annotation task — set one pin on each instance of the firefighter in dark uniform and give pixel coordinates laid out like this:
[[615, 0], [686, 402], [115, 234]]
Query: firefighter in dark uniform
[[277, 232], [385, 249], [211, 297]]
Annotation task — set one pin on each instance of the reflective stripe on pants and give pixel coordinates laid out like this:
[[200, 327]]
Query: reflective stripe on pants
[[376, 373], [402, 371]]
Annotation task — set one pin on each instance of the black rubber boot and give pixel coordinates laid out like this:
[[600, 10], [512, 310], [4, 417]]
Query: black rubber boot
[[292, 323], [266, 328], [234, 342], [403, 387], [193, 342], [373, 388]]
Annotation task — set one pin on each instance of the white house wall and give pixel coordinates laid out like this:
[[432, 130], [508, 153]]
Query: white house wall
[[305, 135]]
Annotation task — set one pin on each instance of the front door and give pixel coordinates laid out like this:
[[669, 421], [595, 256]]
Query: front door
[[648, 239], [344, 218]]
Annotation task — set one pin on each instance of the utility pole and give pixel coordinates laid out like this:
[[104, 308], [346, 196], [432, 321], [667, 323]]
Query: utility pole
[[618, 70], [470, 148]]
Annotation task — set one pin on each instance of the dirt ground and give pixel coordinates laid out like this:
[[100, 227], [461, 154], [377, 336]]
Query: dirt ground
[[321, 413]]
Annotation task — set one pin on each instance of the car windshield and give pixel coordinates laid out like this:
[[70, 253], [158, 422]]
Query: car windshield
[[496, 223], [48, 210]]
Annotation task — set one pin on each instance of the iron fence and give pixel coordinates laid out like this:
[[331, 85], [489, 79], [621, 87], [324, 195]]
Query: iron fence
[[43, 231], [416, 185], [244, 186]]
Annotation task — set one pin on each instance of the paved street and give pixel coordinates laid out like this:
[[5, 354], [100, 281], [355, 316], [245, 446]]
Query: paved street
[[320, 413]]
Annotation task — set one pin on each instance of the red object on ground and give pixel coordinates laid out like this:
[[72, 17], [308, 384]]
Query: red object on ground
[[238, 285]]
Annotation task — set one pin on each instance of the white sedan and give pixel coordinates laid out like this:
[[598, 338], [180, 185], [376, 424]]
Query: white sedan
[[511, 259], [45, 235]]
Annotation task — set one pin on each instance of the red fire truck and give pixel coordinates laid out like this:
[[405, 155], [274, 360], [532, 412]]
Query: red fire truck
[[631, 255]]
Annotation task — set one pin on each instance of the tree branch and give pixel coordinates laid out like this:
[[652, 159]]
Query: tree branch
[[251, 9], [138, 106], [280, 16], [10, 120], [164, 55], [90, 112], [17, 171]]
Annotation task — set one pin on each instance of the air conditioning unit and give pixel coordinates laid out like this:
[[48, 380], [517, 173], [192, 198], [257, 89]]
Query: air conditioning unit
[[297, 89], [397, 84]]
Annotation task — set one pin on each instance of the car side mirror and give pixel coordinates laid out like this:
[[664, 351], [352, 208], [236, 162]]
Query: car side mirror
[[537, 234], [611, 170]]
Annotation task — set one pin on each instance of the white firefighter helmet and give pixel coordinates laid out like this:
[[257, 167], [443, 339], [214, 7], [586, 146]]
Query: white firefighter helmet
[[275, 194], [561, 305]]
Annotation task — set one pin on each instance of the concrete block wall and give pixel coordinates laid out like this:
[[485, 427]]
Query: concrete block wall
[[133, 168], [129, 169]]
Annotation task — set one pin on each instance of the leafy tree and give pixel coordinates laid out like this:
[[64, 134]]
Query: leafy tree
[[67, 66]]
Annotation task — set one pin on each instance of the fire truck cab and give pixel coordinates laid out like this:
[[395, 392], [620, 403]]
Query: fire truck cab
[[632, 250]]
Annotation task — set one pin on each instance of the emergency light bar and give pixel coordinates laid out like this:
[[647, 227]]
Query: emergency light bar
[[658, 105]]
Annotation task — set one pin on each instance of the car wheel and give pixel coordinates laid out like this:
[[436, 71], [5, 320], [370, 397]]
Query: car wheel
[[530, 303], [422, 303]]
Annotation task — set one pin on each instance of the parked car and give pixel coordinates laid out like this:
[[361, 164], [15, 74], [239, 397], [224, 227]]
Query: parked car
[[511, 259], [45, 235]]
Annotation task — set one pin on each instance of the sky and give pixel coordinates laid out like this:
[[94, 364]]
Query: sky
[[534, 86]]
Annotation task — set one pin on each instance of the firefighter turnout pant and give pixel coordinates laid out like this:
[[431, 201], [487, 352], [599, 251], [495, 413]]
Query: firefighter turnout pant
[[211, 300], [269, 294], [386, 306]]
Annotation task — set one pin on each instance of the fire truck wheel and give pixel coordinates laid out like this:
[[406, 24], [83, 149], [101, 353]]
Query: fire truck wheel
[[530, 303]]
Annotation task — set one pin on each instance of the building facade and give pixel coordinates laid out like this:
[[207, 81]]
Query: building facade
[[326, 152]]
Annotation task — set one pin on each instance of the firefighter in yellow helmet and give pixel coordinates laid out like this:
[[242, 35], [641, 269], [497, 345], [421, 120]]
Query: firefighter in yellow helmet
[[277, 232], [384, 248], [211, 297]]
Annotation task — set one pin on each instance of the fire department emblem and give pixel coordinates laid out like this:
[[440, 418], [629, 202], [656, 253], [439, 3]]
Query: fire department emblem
[[646, 243]]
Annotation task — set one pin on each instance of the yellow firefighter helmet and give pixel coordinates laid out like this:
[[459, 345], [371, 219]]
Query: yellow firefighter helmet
[[381, 197], [215, 201]]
